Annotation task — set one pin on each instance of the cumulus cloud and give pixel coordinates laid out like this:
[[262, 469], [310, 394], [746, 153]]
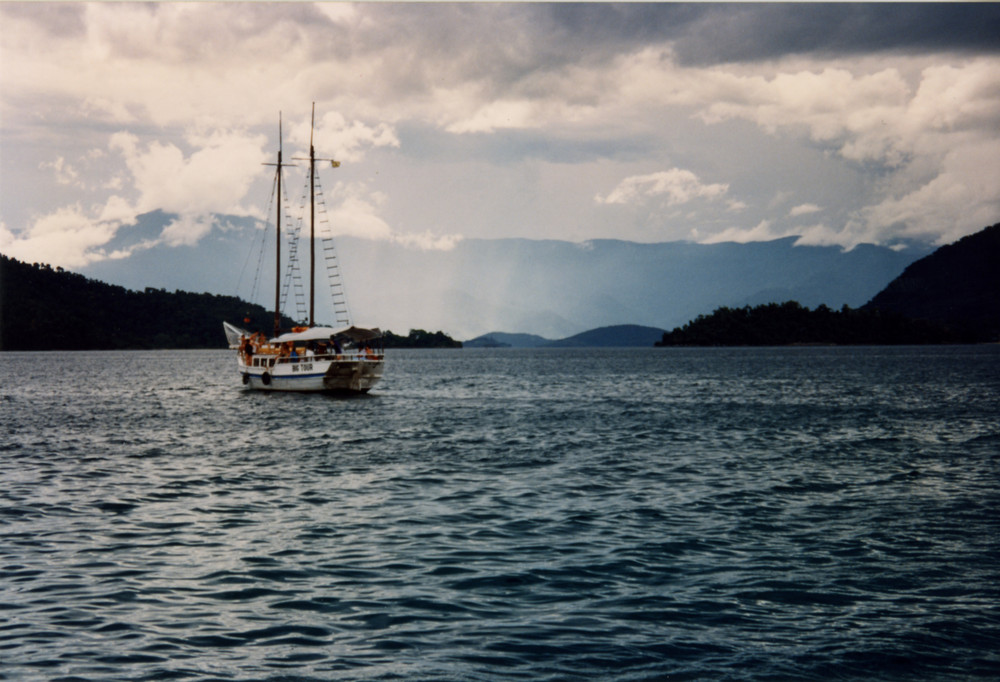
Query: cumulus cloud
[[187, 229], [494, 115], [803, 209], [959, 199], [924, 129], [214, 178], [904, 100], [356, 212], [65, 174], [676, 186], [759, 233], [68, 237], [344, 140]]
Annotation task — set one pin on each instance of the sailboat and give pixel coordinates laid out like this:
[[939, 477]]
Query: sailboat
[[307, 358]]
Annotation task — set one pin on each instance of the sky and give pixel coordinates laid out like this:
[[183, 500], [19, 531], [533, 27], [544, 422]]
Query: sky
[[841, 124]]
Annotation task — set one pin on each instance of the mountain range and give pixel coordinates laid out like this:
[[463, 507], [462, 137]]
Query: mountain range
[[552, 289], [615, 336]]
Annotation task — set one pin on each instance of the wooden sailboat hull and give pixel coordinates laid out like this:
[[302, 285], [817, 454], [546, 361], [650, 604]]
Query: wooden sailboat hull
[[346, 374]]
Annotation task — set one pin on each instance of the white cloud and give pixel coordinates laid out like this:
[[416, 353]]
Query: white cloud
[[357, 212], [187, 229], [197, 87], [427, 240], [65, 174], [915, 119], [761, 232], [337, 138], [214, 178], [676, 185], [495, 115], [67, 237], [958, 200], [803, 209]]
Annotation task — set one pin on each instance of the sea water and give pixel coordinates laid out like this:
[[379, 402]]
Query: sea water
[[643, 514]]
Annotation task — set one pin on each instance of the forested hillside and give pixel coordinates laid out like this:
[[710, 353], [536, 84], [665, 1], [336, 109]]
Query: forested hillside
[[45, 308], [782, 324], [958, 285], [949, 296]]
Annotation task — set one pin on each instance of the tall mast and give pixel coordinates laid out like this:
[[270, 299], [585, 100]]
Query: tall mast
[[277, 250], [312, 221], [312, 216]]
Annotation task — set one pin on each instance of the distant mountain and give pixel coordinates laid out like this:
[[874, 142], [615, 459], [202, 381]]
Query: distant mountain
[[505, 340], [958, 285], [551, 288], [622, 335]]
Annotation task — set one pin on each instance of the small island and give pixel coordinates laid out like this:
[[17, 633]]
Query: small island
[[418, 338]]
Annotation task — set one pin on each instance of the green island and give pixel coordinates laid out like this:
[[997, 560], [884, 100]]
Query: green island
[[46, 308]]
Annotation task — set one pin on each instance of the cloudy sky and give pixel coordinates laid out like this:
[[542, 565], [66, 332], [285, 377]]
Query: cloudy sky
[[840, 123]]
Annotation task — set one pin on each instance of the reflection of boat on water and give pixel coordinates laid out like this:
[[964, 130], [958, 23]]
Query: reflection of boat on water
[[309, 357]]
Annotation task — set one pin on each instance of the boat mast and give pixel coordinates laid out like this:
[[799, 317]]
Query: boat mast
[[312, 216], [312, 221], [277, 250]]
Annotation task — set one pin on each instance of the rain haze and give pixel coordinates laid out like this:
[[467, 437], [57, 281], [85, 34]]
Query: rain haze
[[838, 124]]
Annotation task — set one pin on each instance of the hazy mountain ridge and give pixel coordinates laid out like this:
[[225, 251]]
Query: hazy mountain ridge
[[958, 285], [615, 336], [549, 288]]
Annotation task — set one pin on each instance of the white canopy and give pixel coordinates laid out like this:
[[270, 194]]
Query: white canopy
[[327, 333]]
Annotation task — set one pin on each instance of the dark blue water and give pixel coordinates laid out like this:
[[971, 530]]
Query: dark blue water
[[741, 514]]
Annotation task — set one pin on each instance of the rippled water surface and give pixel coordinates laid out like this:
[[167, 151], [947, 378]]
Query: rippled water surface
[[724, 514]]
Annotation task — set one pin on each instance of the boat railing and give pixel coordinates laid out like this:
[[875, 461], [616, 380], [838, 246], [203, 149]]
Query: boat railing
[[350, 356]]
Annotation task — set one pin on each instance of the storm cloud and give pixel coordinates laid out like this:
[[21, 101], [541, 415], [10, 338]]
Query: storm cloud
[[835, 123]]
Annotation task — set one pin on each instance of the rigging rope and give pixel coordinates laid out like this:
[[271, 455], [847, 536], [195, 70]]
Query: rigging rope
[[338, 292], [258, 249]]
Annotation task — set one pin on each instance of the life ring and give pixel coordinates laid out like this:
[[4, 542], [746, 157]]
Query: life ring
[[246, 378], [265, 378]]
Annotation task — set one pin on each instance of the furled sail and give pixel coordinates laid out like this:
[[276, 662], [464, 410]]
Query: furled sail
[[233, 334]]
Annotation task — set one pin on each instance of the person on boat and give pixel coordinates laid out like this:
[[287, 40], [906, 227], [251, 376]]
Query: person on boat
[[310, 353], [337, 348], [246, 348], [294, 354]]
